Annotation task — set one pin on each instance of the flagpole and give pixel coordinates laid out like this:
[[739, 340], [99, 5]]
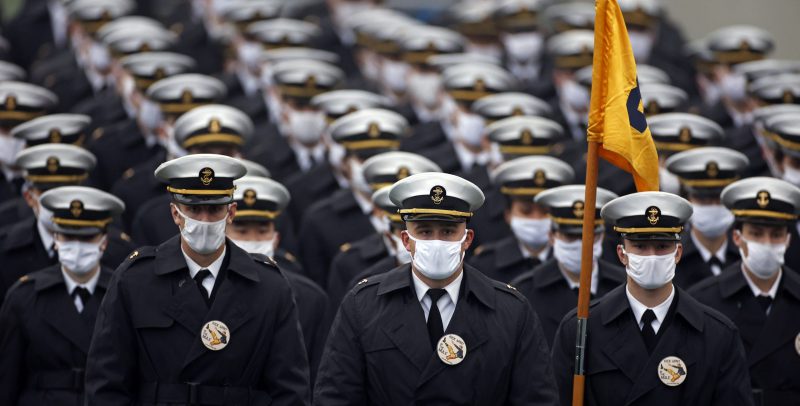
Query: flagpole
[[590, 197]]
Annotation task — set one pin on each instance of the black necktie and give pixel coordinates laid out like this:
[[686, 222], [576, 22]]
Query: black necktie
[[715, 261], [435, 328], [83, 293], [765, 302], [648, 333], [199, 278]]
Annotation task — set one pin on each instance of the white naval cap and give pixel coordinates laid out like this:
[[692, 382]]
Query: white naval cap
[[655, 216], [763, 200], [81, 210], [530, 175], [566, 206], [705, 171], [434, 196], [51, 165], [259, 199], [201, 179], [389, 167], [213, 124], [54, 129]]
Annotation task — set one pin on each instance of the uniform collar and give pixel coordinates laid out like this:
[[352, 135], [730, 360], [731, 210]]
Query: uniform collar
[[53, 275], [705, 254], [214, 267], [169, 258], [756, 290], [639, 308], [452, 289], [474, 282], [90, 285], [615, 304]]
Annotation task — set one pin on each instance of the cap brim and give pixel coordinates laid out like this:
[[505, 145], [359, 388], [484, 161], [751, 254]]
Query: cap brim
[[195, 200], [651, 237]]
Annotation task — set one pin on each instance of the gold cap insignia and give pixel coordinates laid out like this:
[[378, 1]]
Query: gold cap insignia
[[578, 209], [11, 102], [55, 136], [517, 111], [788, 97], [526, 138], [762, 199], [186, 96], [685, 136], [311, 82], [145, 47], [480, 85], [653, 214], [159, 74], [206, 176], [76, 208], [744, 46], [539, 178], [52, 164], [403, 172], [214, 126], [653, 108], [373, 130], [249, 197], [712, 169], [438, 194]]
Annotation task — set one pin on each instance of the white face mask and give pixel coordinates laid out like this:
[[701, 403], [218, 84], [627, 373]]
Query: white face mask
[[203, 237], [273, 107], [150, 116], [568, 254], [712, 220], [490, 50], [336, 154], [791, 175], [534, 233], [764, 260], [524, 46], [401, 253], [469, 127], [574, 96], [370, 66], [9, 148], [380, 223], [305, 126], [357, 179], [263, 247], [393, 74], [733, 86], [651, 271], [173, 149], [424, 88], [641, 44], [44, 216], [79, 257], [437, 259], [248, 54], [668, 182], [99, 57]]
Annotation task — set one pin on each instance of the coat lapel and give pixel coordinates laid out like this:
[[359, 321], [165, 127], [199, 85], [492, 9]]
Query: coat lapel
[[776, 331], [624, 349], [407, 329], [59, 308]]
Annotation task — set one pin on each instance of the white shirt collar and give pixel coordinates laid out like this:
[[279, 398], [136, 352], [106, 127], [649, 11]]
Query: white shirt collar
[[755, 289], [639, 308], [705, 253], [90, 285], [541, 256], [214, 267], [47, 238], [452, 289], [304, 154], [575, 285]]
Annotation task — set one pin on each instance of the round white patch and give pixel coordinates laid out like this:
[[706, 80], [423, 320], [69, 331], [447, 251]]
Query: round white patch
[[215, 335], [672, 371], [451, 349]]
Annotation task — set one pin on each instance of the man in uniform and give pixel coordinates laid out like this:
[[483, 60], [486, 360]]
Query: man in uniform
[[703, 173], [483, 343], [761, 294], [196, 320], [552, 287], [27, 245], [260, 202], [519, 181], [47, 318], [650, 343]]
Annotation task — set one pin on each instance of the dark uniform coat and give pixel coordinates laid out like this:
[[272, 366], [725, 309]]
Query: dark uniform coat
[[121, 147], [619, 370], [307, 188], [792, 256], [146, 348], [770, 341], [138, 185], [354, 259], [378, 352], [45, 340], [503, 260], [693, 269], [327, 225], [22, 252], [551, 296]]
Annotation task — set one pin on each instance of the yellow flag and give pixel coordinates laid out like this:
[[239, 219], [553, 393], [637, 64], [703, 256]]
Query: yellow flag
[[616, 113]]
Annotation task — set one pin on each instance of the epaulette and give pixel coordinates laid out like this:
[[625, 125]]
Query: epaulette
[[508, 288], [124, 237], [24, 279], [479, 250], [128, 173], [364, 283], [260, 258], [289, 256], [137, 255], [98, 133], [345, 247]]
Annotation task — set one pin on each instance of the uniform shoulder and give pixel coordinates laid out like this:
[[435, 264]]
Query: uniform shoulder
[[711, 315], [265, 261], [705, 286], [523, 279], [507, 289], [487, 249], [22, 284], [138, 257]]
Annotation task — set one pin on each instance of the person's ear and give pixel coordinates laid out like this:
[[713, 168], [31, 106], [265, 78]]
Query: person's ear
[[678, 253], [104, 243], [276, 240], [468, 240], [507, 215], [621, 255], [231, 213], [407, 242], [737, 238], [176, 217], [31, 200]]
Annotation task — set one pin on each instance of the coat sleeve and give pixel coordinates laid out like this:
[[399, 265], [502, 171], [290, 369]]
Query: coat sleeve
[[111, 367], [13, 343], [286, 376], [563, 356], [341, 379], [733, 386], [532, 381]]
